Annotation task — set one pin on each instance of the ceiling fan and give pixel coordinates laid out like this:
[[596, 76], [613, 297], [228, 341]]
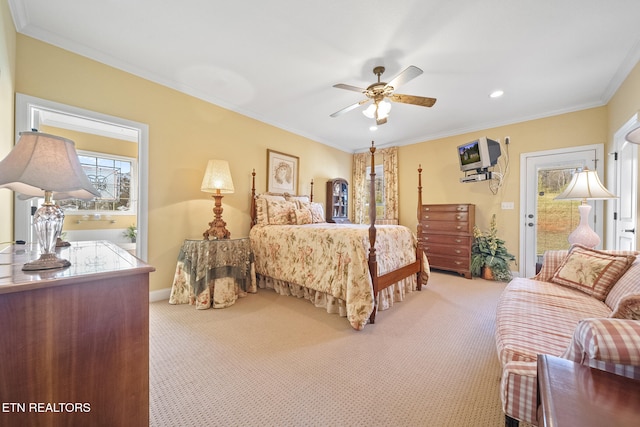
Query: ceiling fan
[[377, 92]]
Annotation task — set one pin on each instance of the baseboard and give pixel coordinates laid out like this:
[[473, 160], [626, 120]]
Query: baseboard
[[162, 294]]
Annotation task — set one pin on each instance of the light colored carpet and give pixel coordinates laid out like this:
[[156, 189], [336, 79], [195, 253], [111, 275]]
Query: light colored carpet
[[271, 360]]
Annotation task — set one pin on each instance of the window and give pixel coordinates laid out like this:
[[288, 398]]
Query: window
[[379, 185], [114, 177]]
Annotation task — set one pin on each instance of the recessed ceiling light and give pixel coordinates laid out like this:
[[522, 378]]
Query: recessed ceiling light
[[496, 94], [373, 128]]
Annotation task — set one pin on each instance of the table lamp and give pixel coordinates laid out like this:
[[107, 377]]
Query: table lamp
[[43, 165], [585, 185], [217, 180]]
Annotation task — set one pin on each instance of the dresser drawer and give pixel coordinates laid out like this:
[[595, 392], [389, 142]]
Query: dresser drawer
[[446, 226], [449, 263], [445, 208], [447, 239], [445, 216], [456, 251]]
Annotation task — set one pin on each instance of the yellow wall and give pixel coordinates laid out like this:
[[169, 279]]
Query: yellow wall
[[626, 101], [441, 171], [7, 84], [184, 133]]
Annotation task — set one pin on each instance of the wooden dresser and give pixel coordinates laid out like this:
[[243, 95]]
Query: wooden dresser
[[75, 341], [446, 235]]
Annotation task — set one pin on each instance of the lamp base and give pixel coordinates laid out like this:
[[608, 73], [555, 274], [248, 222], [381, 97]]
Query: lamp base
[[583, 234], [46, 262], [217, 228]]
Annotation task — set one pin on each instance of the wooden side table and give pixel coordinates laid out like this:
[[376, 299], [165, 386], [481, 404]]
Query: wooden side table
[[213, 273], [571, 394]]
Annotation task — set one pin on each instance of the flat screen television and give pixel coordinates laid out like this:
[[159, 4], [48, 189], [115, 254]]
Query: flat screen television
[[479, 154]]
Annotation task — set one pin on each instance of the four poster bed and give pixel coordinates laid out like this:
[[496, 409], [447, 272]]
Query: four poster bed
[[350, 269]]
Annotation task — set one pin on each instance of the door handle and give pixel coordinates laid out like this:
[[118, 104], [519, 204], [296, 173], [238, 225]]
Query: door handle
[[630, 230], [530, 224]]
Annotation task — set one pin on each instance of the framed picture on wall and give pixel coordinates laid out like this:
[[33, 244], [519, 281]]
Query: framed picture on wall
[[282, 170]]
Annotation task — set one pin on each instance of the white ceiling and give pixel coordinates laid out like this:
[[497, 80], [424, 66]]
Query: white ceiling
[[277, 60]]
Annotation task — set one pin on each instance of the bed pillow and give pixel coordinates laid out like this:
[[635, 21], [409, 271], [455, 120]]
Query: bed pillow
[[299, 200], [317, 212], [628, 308], [272, 196], [591, 271], [261, 211], [303, 216], [280, 213]]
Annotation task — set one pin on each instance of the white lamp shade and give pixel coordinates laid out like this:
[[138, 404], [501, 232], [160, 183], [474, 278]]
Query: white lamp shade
[[383, 108], [217, 177], [370, 111], [634, 135], [585, 185], [41, 162]]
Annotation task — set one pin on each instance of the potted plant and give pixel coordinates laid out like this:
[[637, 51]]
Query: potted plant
[[131, 233], [489, 252]]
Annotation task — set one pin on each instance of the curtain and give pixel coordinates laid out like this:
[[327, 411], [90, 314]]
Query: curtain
[[361, 190], [390, 167]]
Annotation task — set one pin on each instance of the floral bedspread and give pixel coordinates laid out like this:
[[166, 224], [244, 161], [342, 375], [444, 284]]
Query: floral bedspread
[[332, 258]]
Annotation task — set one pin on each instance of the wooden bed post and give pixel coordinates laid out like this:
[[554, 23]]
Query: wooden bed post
[[373, 261], [420, 244], [253, 199]]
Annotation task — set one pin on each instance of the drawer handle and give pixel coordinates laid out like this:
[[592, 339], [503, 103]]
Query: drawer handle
[[426, 248], [427, 209], [460, 208], [458, 216], [458, 240], [458, 251], [426, 217], [426, 226], [426, 238], [459, 227], [457, 262]]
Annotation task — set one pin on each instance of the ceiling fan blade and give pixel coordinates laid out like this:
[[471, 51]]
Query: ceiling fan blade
[[349, 87], [349, 108], [409, 73], [411, 99]]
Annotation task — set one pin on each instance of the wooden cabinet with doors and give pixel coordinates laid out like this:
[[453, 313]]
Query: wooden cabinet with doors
[[338, 201], [446, 235]]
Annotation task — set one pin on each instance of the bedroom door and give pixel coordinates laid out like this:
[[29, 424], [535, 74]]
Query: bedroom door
[[623, 176], [546, 222]]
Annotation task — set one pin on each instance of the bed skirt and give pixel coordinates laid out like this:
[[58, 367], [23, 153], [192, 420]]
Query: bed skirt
[[386, 298]]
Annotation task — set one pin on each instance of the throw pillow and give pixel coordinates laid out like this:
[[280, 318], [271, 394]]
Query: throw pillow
[[303, 216], [280, 213], [591, 271], [628, 308]]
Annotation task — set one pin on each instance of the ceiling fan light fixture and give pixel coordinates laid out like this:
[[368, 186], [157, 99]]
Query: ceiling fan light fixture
[[383, 109], [370, 112], [496, 94]]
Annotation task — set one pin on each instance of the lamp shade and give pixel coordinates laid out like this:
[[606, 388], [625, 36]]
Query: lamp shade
[[382, 107], [41, 162], [634, 135], [585, 185], [217, 178]]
